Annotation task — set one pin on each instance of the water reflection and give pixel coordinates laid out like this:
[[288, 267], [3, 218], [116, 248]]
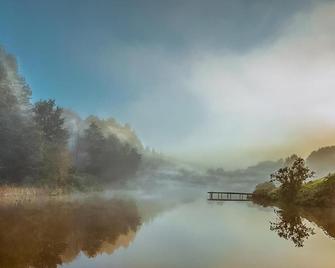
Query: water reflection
[[55, 233], [324, 218], [289, 225]]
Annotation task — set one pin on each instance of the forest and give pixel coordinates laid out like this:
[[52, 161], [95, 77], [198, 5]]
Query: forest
[[39, 144]]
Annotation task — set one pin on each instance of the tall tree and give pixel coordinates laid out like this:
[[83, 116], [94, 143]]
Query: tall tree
[[56, 163], [93, 146], [49, 118], [19, 140]]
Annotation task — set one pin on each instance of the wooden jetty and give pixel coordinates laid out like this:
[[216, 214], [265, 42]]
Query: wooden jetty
[[229, 196]]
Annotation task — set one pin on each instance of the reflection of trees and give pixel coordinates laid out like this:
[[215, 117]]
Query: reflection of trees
[[45, 236], [289, 225], [322, 217]]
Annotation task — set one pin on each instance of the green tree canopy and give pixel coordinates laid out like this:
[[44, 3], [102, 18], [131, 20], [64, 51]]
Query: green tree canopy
[[292, 177], [56, 162], [49, 118]]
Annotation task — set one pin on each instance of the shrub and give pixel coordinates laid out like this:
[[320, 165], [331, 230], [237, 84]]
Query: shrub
[[264, 190]]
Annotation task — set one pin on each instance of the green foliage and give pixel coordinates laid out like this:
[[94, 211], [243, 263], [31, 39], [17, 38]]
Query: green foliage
[[264, 190], [316, 193], [19, 140], [48, 118], [294, 189], [291, 178], [56, 161], [35, 146], [319, 192], [55, 166]]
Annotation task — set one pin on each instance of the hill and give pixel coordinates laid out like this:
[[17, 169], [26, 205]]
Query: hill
[[322, 161]]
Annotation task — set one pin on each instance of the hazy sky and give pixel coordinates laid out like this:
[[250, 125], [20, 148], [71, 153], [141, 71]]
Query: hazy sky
[[222, 82]]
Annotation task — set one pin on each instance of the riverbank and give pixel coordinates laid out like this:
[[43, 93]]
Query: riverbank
[[315, 193], [22, 194]]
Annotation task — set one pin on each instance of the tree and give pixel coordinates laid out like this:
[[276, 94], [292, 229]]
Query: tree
[[291, 178], [288, 161], [49, 118], [105, 156], [19, 140], [263, 190], [56, 161], [92, 150]]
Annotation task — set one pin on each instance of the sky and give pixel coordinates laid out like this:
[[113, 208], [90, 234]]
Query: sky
[[223, 83]]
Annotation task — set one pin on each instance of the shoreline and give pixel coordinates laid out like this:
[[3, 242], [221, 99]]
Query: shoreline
[[14, 195], [319, 193]]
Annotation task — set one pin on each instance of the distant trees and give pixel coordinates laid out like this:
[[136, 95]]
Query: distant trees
[[291, 178], [263, 190], [106, 157], [99, 154]]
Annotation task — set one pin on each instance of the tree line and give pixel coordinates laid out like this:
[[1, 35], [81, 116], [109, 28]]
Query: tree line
[[35, 142]]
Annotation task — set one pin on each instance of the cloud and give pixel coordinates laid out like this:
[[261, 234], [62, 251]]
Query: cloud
[[275, 94], [161, 108], [230, 107]]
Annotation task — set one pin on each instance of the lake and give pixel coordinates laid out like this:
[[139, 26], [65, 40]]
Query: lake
[[149, 232]]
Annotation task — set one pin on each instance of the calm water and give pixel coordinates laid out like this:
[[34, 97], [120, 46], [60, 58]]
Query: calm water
[[152, 233]]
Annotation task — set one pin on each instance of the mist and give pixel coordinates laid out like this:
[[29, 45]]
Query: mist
[[232, 89], [201, 113], [236, 108]]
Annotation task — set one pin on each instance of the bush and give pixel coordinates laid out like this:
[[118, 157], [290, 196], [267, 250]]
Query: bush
[[264, 190]]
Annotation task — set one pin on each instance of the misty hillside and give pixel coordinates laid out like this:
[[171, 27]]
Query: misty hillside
[[247, 178], [322, 161], [110, 126]]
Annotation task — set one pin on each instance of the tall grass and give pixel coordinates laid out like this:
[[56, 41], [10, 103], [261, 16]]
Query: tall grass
[[14, 194]]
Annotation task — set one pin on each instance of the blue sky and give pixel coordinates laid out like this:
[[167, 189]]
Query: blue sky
[[154, 64]]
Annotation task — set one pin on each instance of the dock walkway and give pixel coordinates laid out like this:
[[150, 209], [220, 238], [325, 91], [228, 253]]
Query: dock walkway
[[229, 196]]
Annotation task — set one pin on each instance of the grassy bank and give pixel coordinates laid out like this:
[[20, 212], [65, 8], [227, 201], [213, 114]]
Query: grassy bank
[[315, 193], [320, 192], [17, 194], [21, 194]]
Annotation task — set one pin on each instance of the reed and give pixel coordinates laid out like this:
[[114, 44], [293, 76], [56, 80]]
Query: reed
[[18, 194]]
